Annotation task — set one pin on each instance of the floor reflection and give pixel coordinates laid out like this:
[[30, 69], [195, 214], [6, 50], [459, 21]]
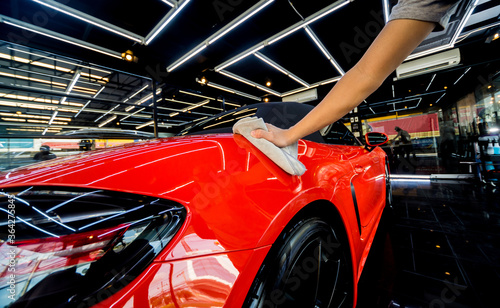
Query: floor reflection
[[437, 247]]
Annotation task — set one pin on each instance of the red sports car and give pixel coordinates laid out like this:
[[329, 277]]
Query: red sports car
[[203, 219]]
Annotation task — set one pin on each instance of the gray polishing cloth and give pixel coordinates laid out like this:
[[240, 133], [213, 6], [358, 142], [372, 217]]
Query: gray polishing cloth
[[286, 157]]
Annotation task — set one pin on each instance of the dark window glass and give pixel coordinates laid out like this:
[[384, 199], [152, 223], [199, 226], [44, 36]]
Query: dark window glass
[[337, 133]]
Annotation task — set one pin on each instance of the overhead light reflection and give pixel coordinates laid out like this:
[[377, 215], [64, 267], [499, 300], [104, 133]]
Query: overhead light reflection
[[110, 217]]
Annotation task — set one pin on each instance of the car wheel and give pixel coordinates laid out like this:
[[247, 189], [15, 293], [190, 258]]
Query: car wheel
[[309, 267], [388, 187]]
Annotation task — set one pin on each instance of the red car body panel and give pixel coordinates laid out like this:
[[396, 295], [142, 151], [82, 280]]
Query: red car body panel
[[237, 200]]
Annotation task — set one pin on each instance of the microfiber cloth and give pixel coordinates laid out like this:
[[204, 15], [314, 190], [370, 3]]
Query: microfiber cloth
[[286, 157]]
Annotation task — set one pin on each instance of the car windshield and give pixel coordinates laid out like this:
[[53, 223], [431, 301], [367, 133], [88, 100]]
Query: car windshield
[[279, 114], [282, 115], [222, 122]]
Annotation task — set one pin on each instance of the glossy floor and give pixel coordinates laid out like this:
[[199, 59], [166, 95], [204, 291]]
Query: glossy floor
[[438, 247]]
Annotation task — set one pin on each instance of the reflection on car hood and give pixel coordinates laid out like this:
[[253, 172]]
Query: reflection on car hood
[[153, 167]]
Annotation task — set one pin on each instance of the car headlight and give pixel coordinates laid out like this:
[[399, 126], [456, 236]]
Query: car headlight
[[64, 247]]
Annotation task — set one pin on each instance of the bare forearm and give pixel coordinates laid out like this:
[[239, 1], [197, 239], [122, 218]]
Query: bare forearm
[[396, 41], [339, 101]]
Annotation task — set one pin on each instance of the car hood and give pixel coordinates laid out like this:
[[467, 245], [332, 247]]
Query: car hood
[[232, 192], [153, 167]]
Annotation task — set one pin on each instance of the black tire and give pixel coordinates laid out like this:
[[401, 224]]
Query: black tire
[[309, 266]]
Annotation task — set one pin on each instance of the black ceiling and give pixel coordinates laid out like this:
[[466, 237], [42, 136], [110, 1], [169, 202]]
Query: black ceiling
[[345, 33]]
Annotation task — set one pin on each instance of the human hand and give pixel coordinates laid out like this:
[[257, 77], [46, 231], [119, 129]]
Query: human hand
[[275, 135]]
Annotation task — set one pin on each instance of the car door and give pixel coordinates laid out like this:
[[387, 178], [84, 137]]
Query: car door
[[368, 181]]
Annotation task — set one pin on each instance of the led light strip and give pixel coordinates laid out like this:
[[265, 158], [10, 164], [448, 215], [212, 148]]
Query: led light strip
[[463, 22], [404, 101], [168, 2], [211, 98], [88, 102], [165, 21], [68, 90], [239, 57], [90, 19], [299, 25], [143, 100], [281, 69], [185, 58], [251, 83], [216, 36], [317, 84], [62, 61], [223, 88], [107, 121], [428, 86], [242, 18], [309, 20], [57, 77], [145, 124], [126, 117], [139, 91], [385, 5], [58, 36], [107, 112], [440, 98], [324, 50], [466, 71]]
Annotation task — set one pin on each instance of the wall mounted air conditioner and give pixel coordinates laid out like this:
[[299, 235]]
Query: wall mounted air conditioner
[[302, 97], [432, 63]]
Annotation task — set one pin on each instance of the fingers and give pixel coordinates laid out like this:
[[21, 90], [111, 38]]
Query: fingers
[[260, 133]]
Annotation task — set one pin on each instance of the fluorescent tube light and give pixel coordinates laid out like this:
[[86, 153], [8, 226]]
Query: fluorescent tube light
[[323, 49], [58, 36], [223, 88], [238, 58], [385, 5], [428, 86], [235, 77], [88, 102], [170, 15], [250, 83], [53, 117], [255, 11], [217, 35], [145, 124], [461, 76], [281, 69], [339, 6], [440, 98], [90, 19], [309, 20], [187, 57], [168, 2], [133, 113], [107, 121]]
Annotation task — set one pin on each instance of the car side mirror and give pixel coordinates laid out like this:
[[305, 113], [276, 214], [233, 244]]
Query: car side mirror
[[374, 139]]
